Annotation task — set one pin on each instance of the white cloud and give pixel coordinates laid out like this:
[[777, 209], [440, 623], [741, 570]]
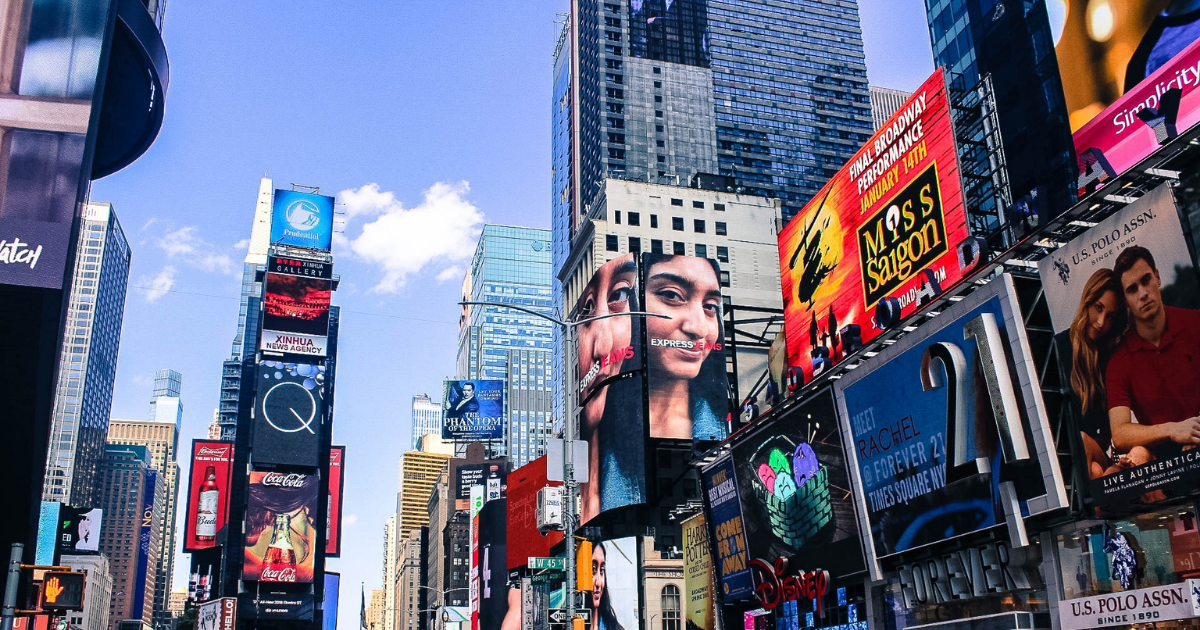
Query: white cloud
[[186, 244], [243, 244], [450, 273], [439, 232], [158, 286], [350, 520]]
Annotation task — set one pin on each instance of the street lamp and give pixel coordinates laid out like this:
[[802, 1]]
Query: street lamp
[[442, 600], [570, 425]]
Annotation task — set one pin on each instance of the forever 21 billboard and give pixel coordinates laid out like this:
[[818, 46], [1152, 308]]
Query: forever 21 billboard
[[288, 408]]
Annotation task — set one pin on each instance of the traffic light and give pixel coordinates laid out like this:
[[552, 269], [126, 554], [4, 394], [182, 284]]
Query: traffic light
[[583, 566], [62, 590], [578, 623]]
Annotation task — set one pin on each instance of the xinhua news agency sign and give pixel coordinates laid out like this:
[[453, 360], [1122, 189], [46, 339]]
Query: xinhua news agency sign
[[1144, 605]]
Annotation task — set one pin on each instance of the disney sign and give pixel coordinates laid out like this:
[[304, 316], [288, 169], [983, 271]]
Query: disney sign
[[774, 586]]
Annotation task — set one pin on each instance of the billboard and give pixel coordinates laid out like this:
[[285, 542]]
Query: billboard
[[333, 518], [144, 531], [493, 574], [793, 481], [207, 494], [329, 609], [610, 389], [698, 587], [289, 404], [490, 476], [687, 382], [219, 614], [614, 598], [273, 603], [295, 306], [47, 537], [879, 240], [281, 535], [79, 529], [1111, 290], [946, 430], [473, 410], [302, 220], [524, 539], [727, 529]]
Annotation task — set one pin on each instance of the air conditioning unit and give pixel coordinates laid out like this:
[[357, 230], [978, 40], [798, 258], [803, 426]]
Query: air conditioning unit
[[550, 509]]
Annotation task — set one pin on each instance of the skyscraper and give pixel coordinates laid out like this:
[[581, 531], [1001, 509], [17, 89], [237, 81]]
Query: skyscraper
[[389, 573], [512, 266], [83, 396], [419, 471], [884, 103], [426, 418], [130, 493]]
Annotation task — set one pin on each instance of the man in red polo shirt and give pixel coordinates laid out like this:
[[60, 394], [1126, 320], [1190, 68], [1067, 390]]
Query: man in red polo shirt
[[1154, 375]]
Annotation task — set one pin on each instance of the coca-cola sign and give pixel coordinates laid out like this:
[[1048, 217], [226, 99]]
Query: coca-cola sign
[[281, 527], [281, 480], [286, 574]]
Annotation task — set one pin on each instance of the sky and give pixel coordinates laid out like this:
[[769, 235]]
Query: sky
[[426, 119]]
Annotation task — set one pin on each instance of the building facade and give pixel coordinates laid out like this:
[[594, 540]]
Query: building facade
[[97, 590], [884, 103], [512, 265], [83, 395], [419, 472], [447, 551], [409, 582], [130, 493], [389, 573], [375, 610], [426, 418]]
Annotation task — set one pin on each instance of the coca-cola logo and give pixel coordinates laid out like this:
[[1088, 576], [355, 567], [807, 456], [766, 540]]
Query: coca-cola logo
[[774, 586], [286, 574], [206, 451], [281, 480]]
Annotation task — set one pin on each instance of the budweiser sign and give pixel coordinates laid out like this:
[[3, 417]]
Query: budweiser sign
[[281, 480], [207, 451]]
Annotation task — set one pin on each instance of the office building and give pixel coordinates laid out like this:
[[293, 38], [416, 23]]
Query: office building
[[419, 471], [512, 265], [214, 427], [389, 573], [447, 550], [884, 103], [97, 590], [426, 418], [375, 610], [177, 602], [408, 582], [83, 395], [433, 443], [130, 491]]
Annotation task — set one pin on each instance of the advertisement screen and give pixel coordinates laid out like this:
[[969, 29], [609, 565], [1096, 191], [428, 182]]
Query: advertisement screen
[[79, 530], [281, 535], [727, 529], [329, 610], [795, 495], [207, 494], [473, 410], [1111, 290], [524, 539], [698, 586], [946, 430], [144, 531], [276, 604], [880, 239], [288, 406], [337, 483], [47, 538], [295, 312], [490, 476], [219, 614], [493, 574], [614, 600], [687, 380], [302, 220], [610, 389]]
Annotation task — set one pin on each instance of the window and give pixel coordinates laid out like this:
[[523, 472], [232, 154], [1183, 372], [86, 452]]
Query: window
[[677, 249], [615, 93], [615, 108], [658, 71], [610, 242], [612, 36], [719, 207], [615, 78], [677, 224], [670, 608], [697, 204], [724, 278], [616, 138], [662, 159], [612, 50], [617, 215], [612, 8], [656, 246], [657, 99], [616, 154], [635, 244], [658, 113], [612, 64], [616, 123], [658, 84], [698, 226], [658, 128], [676, 202], [722, 253], [720, 227], [635, 218], [660, 144], [702, 250], [613, 22], [654, 220]]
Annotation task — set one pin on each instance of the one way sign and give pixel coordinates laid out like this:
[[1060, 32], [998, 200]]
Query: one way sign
[[559, 615]]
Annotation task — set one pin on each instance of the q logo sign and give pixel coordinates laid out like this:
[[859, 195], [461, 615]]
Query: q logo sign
[[302, 215]]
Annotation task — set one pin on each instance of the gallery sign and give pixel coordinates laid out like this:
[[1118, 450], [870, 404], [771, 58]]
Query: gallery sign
[[1144, 605]]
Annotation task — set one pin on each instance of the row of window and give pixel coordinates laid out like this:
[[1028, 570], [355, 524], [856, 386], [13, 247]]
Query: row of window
[[698, 225], [612, 243]]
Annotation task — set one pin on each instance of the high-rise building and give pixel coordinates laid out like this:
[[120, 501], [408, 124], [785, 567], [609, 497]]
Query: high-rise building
[[389, 573], [131, 492], [426, 418], [97, 591], [177, 602], [408, 582], [375, 610], [214, 427], [161, 436], [512, 266], [884, 103], [83, 396], [419, 471], [447, 557]]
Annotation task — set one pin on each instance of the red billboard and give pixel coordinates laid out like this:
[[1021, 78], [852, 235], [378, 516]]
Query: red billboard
[[333, 518], [879, 240], [207, 494], [524, 539], [281, 534]]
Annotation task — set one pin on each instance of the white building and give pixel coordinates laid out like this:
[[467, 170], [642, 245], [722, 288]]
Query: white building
[[389, 574], [884, 103], [96, 593], [426, 418]]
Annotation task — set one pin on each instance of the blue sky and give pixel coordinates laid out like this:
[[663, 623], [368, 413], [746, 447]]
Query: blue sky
[[435, 115]]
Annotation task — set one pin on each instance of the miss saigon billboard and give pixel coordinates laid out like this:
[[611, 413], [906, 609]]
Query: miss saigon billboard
[[879, 240]]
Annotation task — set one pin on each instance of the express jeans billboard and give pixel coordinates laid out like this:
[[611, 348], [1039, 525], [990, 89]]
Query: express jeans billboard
[[207, 494], [1123, 297], [947, 432], [288, 408], [281, 534], [473, 410]]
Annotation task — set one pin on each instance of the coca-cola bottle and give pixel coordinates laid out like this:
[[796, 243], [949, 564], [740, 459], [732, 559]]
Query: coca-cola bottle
[[206, 507], [279, 564]]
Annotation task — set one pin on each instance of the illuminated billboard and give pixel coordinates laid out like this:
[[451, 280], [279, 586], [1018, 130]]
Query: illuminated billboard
[[207, 493], [879, 240], [946, 432], [295, 306], [302, 220], [727, 529], [288, 407], [473, 410], [699, 590], [333, 515], [281, 534]]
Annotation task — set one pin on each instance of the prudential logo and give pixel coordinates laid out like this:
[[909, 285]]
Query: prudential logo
[[303, 215]]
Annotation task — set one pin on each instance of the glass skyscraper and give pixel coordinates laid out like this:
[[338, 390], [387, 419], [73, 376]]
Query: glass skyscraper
[[426, 418], [83, 397], [512, 266]]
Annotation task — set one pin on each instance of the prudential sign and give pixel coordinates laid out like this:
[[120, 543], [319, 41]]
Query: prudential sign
[[302, 220]]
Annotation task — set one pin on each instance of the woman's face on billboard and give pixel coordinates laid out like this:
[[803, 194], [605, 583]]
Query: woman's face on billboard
[[687, 289], [603, 344]]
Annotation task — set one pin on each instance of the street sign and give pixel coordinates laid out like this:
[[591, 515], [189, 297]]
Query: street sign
[[549, 577], [558, 564], [62, 590], [559, 615]]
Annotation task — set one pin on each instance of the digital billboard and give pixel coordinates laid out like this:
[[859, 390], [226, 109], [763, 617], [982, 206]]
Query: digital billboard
[[727, 529], [793, 481], [524, 539], [333, 518], [295, 307], [946, 432], [488, 475], [219, 614], [302, 220], [493, 572], [329, 608], [1111, 290], [614, 601], [288, 406], [473, 410], [281, 534], [699, 591], [879, 240], [79, 529], [610, 389], [687, 380], [207, 494]]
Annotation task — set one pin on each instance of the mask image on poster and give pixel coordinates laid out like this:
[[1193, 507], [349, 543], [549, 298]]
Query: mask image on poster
[[687, 381], [614, 598], [281, 534], [1123, 299], [610, 396]]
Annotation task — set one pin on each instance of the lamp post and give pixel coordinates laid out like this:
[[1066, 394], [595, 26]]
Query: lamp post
[[441, 604], [570, 425]]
